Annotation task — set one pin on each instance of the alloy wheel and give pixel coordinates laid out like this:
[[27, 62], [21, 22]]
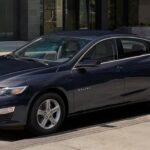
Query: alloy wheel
[[48, 114]]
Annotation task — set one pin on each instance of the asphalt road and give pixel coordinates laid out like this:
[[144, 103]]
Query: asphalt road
[[77, 126]]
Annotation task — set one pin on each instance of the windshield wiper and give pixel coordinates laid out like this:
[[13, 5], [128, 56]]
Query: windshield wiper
[[35, 60]]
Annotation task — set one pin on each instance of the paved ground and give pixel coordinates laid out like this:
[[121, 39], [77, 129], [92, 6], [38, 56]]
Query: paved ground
[[126, 138], [8, 46], [126, 128]]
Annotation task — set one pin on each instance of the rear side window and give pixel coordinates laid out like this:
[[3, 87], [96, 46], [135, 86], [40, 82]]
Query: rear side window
[[134, 47]]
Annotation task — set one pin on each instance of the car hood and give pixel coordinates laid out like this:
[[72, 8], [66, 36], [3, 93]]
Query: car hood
[[11, 67]]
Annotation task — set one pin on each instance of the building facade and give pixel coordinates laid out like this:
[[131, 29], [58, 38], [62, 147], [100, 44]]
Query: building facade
[[27, 19]]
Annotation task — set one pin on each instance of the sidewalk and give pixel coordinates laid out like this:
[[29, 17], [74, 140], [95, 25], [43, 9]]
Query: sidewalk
[[9, 46], [134, 137]]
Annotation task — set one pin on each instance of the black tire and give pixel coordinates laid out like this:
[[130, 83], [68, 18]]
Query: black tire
[[33, 125]]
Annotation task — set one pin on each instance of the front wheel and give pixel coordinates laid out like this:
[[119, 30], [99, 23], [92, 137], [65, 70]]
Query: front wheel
[[47, 114]]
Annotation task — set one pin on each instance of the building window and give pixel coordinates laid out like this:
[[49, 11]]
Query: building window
[[84, 8], [80, 14], [51, 16], [144, 11], [128, 13], [87, 14], [8, 19]]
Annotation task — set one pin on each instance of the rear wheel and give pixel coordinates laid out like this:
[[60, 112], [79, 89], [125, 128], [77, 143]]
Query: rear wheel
[[47, 114]]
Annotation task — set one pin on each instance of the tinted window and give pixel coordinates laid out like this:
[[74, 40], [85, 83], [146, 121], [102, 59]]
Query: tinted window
[[134, 47], [104, 51]]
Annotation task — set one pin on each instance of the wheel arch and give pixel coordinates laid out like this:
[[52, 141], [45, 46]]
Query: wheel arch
[[58, 91]]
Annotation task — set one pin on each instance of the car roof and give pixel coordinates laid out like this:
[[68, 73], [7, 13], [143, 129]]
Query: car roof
[[90, 34]]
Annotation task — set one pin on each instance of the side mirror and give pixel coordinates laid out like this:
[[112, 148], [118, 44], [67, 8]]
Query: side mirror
[[89, 63]]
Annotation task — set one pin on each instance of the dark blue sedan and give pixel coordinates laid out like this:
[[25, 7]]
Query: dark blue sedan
[[66, 73]]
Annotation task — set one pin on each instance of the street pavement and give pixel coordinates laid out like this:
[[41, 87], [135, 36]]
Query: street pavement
[[125, 128], [9, 46], [135, 137]]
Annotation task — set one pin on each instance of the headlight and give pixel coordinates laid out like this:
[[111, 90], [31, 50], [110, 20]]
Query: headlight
[[12, 90]]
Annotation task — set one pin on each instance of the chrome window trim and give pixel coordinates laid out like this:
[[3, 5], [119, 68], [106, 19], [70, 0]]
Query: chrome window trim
[[112, 38], [118, 60]]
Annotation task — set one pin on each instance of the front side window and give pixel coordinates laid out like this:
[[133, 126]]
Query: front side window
[[103, 52], [54, 49], [134, 47]]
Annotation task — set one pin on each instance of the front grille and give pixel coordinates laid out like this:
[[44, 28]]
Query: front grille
[[5, 118]]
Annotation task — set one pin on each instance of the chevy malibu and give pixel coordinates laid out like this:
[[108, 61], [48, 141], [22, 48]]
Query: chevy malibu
[[66, 73]]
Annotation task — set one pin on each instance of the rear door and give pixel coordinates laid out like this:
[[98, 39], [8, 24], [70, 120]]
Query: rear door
[[134, 59]]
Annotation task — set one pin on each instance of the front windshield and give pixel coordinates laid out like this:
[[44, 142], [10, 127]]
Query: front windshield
[[56, 49]]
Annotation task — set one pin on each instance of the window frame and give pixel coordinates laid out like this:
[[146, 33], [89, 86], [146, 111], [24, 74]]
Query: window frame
[[118, 50], [115, 52]]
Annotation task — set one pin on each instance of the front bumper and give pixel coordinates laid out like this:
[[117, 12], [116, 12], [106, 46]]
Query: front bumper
[[16, 118]]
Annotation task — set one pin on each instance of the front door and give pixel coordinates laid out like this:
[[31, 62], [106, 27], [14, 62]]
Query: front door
[[100, 85]]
